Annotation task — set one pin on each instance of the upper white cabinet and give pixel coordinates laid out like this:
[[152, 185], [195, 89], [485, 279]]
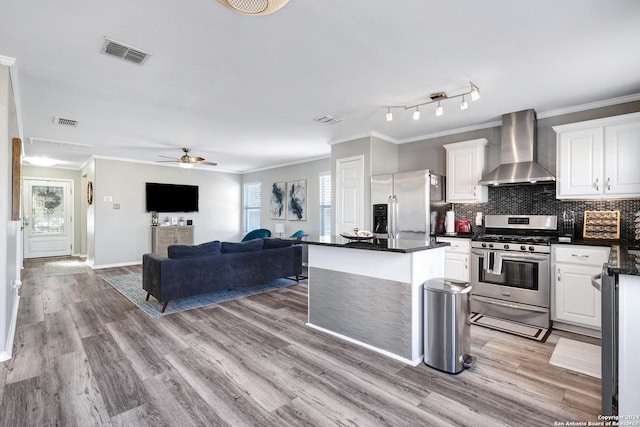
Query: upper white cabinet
[[599, 158], [465, 162]]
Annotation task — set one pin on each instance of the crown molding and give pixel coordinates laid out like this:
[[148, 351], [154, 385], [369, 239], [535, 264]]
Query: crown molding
[[365, 135], [589, 106], [297, 162]]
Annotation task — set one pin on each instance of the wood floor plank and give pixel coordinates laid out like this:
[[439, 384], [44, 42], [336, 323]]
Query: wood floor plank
[[119, 384], [28, 359], [62, 335], [73, 385], [53, 299], [230, 404], [23, 404], [31, 310], [177, 402], [86, 319]]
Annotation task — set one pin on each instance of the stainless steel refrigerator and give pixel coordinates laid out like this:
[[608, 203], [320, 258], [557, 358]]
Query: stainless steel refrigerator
[[410, 197]]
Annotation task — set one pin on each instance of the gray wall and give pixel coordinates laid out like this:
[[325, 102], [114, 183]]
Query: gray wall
[[121, 236], [311, 172]]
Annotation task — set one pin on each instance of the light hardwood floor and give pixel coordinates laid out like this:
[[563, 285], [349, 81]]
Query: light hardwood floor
[[84, 355]]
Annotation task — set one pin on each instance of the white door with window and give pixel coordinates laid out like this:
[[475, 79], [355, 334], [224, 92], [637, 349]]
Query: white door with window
[[48, 229], [350, 194]]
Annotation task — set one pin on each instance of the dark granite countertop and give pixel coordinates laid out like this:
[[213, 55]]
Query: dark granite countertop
[[375, 244], [624, 259]]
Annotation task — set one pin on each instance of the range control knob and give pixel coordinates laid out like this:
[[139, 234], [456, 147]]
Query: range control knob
[[484, 245], [523, 248], [531, 248], [490, 245], [506, 246]]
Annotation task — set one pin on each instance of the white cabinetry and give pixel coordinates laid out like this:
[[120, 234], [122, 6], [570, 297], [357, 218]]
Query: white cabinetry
[[599, 158], [576, 302], [465, 162], [456, 258]]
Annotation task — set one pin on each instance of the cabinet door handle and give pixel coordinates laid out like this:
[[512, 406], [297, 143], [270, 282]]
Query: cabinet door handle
[[466, 267], [474, 191], [608, 183], [558, 275], [597, 184]]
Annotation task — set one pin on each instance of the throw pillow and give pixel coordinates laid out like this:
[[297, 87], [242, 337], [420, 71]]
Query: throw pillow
[[274, 243], [186, 251], [248, 246]]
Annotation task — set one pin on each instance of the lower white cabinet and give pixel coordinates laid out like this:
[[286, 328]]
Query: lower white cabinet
[[576, 301], [457, 258]]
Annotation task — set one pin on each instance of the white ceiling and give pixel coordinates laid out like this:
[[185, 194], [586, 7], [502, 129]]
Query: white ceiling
[[244, 91]]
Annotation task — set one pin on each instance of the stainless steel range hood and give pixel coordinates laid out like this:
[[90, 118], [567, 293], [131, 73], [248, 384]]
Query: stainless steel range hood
[[518, 151]]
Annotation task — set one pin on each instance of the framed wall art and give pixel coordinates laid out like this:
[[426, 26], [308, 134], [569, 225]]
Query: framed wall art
[[297, 200], [278, 203]]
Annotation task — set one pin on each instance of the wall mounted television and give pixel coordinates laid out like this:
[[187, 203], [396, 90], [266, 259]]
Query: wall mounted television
[[171, 197]]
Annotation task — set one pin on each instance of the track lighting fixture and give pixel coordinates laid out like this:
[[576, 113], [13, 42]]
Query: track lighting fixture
[[473, 93]]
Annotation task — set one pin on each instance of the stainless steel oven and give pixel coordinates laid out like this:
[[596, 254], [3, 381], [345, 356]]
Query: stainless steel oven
[[510, 268]]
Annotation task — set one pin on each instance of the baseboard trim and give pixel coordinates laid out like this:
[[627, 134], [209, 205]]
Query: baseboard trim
[[8, 352], [414, 362], [119, 264], [577, 329]]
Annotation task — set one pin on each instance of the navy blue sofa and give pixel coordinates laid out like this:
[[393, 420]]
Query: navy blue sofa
[[218, 266]]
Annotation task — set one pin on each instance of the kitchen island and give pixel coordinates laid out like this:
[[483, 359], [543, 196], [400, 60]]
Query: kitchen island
[[370, 292]]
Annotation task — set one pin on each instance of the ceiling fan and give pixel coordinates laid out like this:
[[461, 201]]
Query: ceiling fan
[[187, 161]]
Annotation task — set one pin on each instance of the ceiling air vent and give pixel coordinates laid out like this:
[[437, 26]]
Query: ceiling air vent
[[328, 120], [65, 122], [125, 52]]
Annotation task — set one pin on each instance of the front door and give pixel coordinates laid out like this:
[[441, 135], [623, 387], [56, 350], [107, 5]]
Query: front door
[[47, 218]]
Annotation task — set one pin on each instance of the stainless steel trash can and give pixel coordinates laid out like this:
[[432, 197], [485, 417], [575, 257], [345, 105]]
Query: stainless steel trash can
[[447, 325]]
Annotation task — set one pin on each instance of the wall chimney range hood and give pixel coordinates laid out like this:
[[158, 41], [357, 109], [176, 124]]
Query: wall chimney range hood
[[518, 150]]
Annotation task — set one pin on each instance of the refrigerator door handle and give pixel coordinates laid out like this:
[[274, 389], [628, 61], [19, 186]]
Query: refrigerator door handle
[[392, 215]]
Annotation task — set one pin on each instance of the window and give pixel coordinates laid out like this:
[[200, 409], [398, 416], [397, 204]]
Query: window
[[325, 204], [251, 212]]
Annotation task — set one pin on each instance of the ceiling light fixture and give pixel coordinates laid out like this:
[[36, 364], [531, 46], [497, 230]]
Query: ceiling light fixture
[[185, 165], [254, 7], [389, 115], [473, 92]]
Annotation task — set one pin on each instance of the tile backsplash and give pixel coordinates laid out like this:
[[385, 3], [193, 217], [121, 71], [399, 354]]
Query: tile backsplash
[[541, 199]]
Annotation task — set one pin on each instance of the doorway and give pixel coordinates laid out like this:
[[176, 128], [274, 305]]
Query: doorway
[[48, 208]]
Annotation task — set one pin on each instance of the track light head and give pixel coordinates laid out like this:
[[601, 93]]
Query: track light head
[[439, 110], [464, 104], [475, 92], [416, 114], [389, 115]]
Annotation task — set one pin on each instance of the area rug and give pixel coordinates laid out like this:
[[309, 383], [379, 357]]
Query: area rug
[[130, 285], [515, 328], [577, 356], [60, 268]]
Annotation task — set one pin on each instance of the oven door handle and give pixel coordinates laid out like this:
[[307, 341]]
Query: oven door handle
[[594, 281], [506, 256], [508, 304]]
